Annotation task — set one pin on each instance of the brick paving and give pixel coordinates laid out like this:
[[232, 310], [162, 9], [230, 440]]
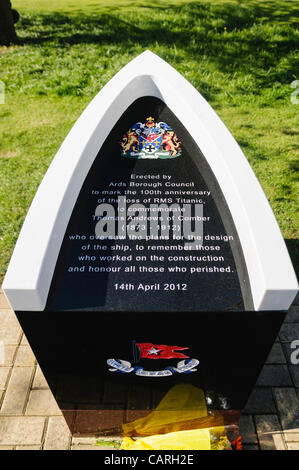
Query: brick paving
[[30, 418]]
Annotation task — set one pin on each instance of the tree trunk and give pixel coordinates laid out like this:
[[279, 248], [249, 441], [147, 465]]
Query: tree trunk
[[8, 34]]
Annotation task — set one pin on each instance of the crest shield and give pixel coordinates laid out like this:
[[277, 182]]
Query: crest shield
[[150, 140]]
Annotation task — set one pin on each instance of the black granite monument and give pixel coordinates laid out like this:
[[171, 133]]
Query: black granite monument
[[150, 289]]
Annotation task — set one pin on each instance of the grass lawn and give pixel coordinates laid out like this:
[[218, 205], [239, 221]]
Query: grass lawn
[[240, 55]]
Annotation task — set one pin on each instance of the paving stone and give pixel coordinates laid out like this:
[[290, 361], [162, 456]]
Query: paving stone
[[8, 317], [276, 355], [293, 445], [39, 379], [292, 315], [69, 415], [10, 330], [90, 441], [10, 335], [250, 447], [9, 354], [58, 435], [4, 371], [17, 391], [247, 430], [37, 447], [291, 435], [21, 430], [295, 374], [42, 402], [291, 351], [24, 340], [260, 402], [274, 376], [24, 356], [288, 406], [111, 448], [296, 300], [3, 301], [269, 432], [267, 423], [87, 441], [289, 332], [80, 447], [2, 353]]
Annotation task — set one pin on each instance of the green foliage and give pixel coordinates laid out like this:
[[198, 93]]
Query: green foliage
[[240, 56], [115, 444]]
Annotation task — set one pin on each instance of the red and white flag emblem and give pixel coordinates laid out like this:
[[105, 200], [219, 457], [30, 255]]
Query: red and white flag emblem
[[160, 351]]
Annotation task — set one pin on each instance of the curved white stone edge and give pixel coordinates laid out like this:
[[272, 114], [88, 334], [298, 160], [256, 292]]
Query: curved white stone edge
[[28, 278]]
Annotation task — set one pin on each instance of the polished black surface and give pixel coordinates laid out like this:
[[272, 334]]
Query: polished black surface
[[72, 349], [76, 285]]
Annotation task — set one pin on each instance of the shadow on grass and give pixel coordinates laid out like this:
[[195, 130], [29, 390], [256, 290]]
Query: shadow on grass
[[294, 170], [219, 31]]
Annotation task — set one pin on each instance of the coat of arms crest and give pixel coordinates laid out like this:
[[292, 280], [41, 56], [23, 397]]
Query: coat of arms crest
[[150, 140]]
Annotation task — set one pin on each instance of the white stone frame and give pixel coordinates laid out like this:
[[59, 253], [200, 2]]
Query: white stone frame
[[272, 279]]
